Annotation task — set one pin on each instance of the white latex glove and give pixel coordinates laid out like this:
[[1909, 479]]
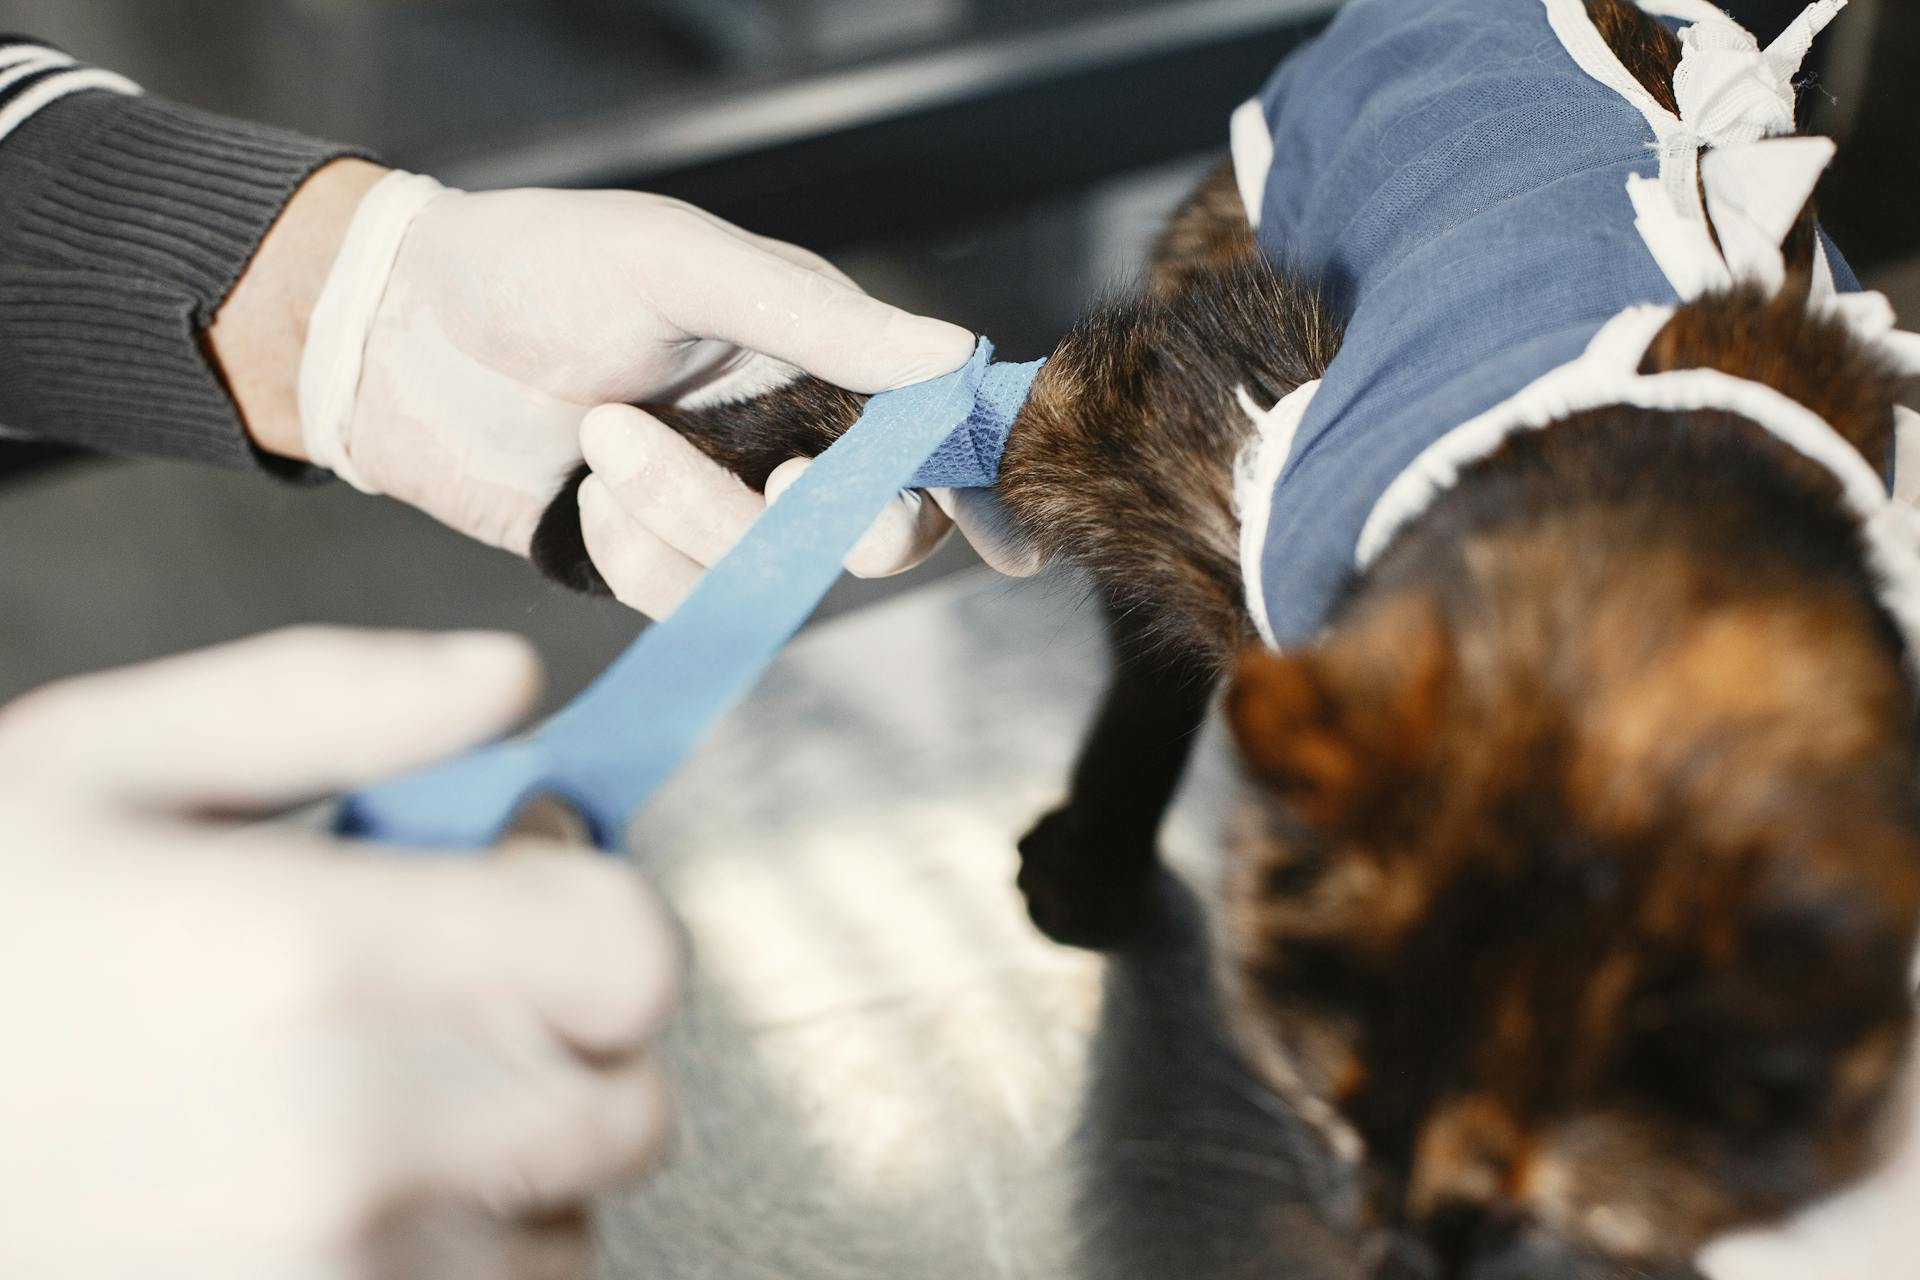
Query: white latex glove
[[237, 1052], [656, 514], [461, 338]]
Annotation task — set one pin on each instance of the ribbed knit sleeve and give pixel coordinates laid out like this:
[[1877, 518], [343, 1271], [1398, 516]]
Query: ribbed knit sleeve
[[124, 222]]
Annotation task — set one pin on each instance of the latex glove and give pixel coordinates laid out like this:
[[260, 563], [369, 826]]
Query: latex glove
[[656, 514], [461, 338], [247, 1052]]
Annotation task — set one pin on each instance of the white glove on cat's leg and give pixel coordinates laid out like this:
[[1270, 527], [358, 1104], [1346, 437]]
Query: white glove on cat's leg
[[235, 1053], [461, 338]]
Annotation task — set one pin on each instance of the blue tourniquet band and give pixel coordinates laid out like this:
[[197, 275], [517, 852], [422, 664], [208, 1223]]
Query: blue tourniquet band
[[609, 750], [969, 458]]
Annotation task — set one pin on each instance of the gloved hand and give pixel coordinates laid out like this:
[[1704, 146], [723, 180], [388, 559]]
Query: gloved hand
[[656, 514], [460, 339], [234, 1053]]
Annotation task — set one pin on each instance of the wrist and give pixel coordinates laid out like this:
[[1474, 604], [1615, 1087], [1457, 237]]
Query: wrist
[[260, 332]]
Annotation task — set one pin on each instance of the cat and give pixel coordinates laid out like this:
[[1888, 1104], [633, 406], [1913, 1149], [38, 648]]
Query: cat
[[1576, 890]]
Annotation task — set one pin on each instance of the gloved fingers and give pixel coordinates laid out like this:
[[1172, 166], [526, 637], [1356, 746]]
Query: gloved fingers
[[661, 481], [580, 945], [644, 572], [576, 947], [760, 300], [800, 257], [779, 248], [272, 720], [581, 1132], [730, 376], [907, 531], [561, 1249], [554, 973], [461, 1242], [985, 523], [474, 1029]]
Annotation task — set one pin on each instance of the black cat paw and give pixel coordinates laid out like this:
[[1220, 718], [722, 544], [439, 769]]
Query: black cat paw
[[1082, 891], [559, 549]]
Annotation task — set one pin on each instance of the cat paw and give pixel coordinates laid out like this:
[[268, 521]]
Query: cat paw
[[1082, 891]]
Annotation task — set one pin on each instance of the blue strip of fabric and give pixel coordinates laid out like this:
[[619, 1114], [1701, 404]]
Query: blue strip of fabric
[[612, 748], [969, 458]]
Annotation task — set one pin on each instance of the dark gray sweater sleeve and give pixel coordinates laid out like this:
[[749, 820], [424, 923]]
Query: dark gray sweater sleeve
[[124, 222]]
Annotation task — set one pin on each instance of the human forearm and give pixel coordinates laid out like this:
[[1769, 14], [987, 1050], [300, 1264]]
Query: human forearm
[[260, 331], [124, 224]]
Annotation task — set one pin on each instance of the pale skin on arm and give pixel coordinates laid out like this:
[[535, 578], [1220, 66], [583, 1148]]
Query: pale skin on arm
[[260, 331]]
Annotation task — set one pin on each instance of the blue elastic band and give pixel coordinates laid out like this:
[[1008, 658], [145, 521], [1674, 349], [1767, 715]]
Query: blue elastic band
[[969, 458], [609, 750]]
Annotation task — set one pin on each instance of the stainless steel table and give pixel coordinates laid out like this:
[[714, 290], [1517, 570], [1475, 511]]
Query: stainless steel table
[[887, 1074]]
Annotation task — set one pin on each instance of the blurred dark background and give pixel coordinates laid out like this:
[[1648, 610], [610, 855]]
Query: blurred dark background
[[835, 122], [996, 162], [910, 130]]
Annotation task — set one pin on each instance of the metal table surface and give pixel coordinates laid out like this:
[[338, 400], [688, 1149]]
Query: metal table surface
[[886, 1072]]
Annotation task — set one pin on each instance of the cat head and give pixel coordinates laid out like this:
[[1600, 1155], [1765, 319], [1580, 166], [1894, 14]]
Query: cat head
[[1586, 910]]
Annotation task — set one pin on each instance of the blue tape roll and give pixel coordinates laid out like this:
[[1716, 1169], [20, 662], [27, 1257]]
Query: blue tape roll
[[610, 749]]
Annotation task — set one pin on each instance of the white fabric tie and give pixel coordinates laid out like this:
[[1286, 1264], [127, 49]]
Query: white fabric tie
[[343, 318], [1736, 100], [1755, 192], [1256, 473], [1252, 139], [1730, 90]]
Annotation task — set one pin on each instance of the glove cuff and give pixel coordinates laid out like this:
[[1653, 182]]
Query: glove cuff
[[342, 320]]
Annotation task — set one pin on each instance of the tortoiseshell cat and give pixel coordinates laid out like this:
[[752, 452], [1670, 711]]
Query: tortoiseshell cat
[[1579, 882]]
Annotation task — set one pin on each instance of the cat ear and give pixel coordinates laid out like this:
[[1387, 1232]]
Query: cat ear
[[1329, 727]]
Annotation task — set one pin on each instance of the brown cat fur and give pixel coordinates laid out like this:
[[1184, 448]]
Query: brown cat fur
[[1581, 872]]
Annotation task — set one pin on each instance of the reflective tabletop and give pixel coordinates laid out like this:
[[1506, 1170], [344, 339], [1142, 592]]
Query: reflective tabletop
[[886, 1072]]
